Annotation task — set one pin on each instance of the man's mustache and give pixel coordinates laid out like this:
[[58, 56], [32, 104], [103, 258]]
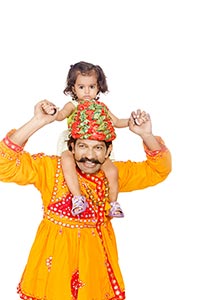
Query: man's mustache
[[92, 160]]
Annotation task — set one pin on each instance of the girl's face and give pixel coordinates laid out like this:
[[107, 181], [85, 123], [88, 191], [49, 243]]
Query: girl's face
[[86, 87]]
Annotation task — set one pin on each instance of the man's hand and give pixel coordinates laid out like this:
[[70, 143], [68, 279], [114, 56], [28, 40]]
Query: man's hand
[[140, 122], [46, 111], [49, 108]]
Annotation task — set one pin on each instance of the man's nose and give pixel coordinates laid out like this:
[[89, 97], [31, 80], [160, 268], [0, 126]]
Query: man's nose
[[89, 154]]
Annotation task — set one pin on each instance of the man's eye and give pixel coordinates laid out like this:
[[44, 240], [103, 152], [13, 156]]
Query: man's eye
[[81, 146], [99, 148]]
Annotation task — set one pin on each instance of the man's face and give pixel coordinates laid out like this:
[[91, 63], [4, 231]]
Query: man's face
[[90, 154]]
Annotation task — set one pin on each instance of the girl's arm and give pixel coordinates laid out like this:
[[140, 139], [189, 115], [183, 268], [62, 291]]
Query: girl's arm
[[65, 112], [118, 123]]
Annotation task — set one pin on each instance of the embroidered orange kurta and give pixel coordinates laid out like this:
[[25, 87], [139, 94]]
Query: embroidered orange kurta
[[75, 257]]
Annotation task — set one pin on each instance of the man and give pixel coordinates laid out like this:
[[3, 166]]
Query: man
[[75, 257]]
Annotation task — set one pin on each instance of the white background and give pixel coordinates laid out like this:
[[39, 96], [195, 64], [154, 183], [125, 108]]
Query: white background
[[150, 53]]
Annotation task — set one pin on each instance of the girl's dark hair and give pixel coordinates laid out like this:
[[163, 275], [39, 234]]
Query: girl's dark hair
[[71, 141], [85, 68]]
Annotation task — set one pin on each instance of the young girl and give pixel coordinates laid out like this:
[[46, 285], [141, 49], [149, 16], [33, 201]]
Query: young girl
[[85, 82]]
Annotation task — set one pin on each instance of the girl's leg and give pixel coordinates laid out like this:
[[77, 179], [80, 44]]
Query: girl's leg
[[79, 203], [112, 174]]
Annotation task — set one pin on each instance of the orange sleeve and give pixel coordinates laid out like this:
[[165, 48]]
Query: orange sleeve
[[20, 167], [140, 175]]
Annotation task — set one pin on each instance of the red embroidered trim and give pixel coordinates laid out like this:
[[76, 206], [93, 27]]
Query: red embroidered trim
[[153, 153], [12, 145], [64, 206], [119, 294], [121, 297], [76, 284]]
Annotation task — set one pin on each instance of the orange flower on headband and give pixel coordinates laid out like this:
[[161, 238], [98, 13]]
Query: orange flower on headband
[[91, 121]]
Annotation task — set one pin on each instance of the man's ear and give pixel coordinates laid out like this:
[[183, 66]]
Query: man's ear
[[73, 147], [109, 150]]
